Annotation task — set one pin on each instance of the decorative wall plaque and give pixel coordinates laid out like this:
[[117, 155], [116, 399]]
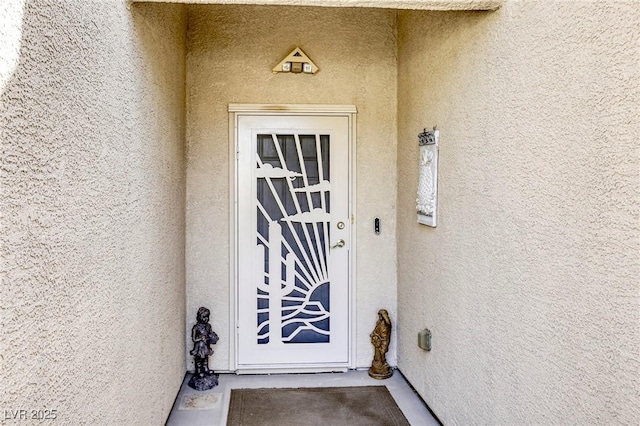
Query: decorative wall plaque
[[296, 62], [427, 201]]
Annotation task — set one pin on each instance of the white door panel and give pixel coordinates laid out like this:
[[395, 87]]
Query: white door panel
[[293, 206]]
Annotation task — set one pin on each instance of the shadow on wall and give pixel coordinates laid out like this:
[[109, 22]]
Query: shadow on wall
[[456, 42], [151, 22]]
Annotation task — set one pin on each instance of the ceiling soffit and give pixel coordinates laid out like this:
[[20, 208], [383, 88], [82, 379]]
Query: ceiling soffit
[[387, 4]]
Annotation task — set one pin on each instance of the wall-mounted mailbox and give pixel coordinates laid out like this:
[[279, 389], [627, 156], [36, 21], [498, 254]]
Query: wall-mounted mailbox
[[424, 339]]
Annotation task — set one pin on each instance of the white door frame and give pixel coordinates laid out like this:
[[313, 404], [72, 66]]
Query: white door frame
[[235, 111]]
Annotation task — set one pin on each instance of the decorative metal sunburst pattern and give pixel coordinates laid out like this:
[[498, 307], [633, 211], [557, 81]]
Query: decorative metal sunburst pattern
[[292, 280]]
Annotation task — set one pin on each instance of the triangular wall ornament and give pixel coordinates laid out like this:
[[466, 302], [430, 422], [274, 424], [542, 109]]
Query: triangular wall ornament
[[296, 61]]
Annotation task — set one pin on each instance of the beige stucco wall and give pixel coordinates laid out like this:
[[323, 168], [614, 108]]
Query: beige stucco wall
[[530, 281], [231, 51], [92, 201]]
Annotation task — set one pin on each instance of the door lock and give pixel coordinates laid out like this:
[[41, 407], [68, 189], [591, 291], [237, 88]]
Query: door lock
[[340, 243], [340, 225]]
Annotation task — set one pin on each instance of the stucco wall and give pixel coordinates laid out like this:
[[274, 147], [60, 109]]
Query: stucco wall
[[530, 281], [230, 53], [92, 200]]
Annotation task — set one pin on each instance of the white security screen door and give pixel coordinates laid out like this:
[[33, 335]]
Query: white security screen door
[[293, 241]]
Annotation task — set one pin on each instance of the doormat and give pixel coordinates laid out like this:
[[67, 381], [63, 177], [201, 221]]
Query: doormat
[[348, 406]]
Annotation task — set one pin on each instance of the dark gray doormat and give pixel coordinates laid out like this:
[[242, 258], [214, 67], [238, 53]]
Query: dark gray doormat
[[348, 406]]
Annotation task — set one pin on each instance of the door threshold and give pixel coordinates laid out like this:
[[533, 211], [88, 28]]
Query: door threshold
[[294, 370]]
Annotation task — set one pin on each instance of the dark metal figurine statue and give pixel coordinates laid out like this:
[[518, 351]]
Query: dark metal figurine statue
[[203, 336], [380, 338]]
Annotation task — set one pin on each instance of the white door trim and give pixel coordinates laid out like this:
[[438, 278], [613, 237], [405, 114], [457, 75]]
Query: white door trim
[[237, 110], [336, 110]]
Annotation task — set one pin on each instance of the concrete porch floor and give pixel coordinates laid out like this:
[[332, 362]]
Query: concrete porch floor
[[211, 407]]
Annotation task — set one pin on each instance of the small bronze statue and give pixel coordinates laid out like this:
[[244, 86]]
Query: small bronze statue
[[203, 336], [380, 338]]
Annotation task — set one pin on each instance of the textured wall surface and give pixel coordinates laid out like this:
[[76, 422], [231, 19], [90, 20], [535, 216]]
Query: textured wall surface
[[92, 182], [530, 282], [230, 53]]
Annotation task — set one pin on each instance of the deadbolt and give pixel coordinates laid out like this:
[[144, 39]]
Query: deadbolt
[[340, 225]]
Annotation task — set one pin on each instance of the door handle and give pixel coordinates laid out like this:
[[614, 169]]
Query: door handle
[[340, 243]]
